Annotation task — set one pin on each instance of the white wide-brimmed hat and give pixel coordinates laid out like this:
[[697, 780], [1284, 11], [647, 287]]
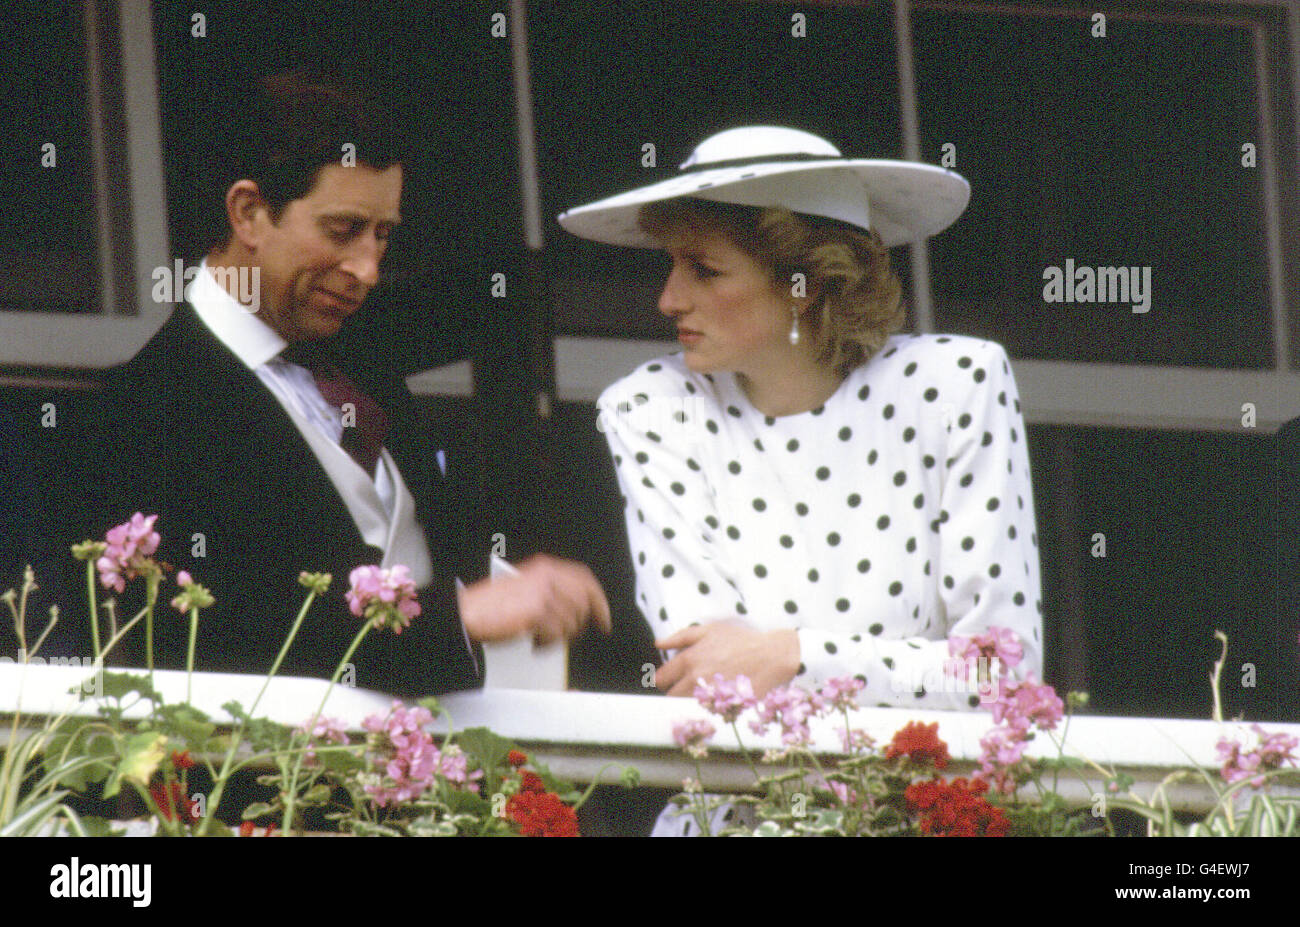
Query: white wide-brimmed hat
[[774, 166]]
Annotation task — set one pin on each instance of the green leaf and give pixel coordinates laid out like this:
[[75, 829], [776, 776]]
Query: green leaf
[[487, 752], [318, 794], [459, 802], [119, 685], [370, 829], [485, 749], [189, 723], [141, 754], [33, 817], [342, 761], [100, 827], [258, 809]]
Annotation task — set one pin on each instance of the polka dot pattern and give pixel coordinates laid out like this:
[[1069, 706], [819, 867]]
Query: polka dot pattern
[[876, 525]]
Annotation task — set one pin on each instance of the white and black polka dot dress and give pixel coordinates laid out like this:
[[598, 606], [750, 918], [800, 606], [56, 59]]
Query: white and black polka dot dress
[[898, 513]]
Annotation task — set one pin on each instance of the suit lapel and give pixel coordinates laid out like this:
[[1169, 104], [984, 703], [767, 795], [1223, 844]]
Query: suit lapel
[[250, 436]]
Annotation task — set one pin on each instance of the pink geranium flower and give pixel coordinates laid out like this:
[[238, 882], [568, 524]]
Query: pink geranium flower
[[405, 752], [384, 597], [847, 795], [322, 730], [840, 693], [1001, 749], [1019, 707], [1273, 752], [791, 707], [693, 735], [855, 740], [998, 648], [191, 596], [725, 698], [454, 767], [1022, 704], [130, 545]]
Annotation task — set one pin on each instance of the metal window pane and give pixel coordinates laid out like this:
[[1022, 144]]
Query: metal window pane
[[669, 74], [48, 252], [1123, 151]]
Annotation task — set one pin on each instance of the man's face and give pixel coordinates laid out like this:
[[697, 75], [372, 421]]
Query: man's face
[[321, 259]]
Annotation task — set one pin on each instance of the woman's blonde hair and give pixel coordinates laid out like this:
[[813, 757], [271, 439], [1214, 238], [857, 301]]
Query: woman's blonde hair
[[858, 297]]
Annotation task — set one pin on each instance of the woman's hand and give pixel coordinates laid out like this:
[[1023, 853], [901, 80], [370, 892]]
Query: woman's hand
[[768, 658]]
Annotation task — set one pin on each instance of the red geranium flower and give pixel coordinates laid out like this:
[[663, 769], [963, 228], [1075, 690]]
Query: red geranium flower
[[956, 809], [170, 801], [246, 829], [516, 758], [542, 814], [919, 743], [530, 781], [182, 760]]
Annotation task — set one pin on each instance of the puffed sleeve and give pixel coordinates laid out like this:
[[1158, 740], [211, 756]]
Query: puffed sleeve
[[987, 568], [650, 425], [989, 543]]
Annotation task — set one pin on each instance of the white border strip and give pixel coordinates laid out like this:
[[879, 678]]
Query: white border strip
[[148, 181]]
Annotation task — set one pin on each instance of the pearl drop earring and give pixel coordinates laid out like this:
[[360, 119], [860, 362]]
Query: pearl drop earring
[[794, 326]]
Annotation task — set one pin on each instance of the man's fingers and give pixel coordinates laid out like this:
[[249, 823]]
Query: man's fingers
[[600, 608], [572, 596]]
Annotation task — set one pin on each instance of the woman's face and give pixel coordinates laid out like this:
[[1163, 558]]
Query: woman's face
[[728, 314]]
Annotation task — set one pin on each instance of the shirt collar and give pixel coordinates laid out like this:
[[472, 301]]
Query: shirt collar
[[248, 337]]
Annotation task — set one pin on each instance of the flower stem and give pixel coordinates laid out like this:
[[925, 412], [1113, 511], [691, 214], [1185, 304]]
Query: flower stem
[[94, 606], [746, 754], [699, 803], [291, 788], [189, 653], [237, 735], [1215, 676], [151, 597]]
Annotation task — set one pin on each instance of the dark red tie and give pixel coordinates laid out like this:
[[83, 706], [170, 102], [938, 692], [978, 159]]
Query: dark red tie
[[366, 429]]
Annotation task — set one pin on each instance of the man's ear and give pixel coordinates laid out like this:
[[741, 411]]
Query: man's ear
[[247, 213]]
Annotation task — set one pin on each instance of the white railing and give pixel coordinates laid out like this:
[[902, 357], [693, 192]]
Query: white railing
[[585, 736]]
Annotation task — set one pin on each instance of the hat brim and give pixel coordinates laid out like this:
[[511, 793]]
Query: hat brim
[[907, 200]]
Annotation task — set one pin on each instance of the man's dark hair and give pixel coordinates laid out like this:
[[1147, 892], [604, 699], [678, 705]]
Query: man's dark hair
[[279, 133]]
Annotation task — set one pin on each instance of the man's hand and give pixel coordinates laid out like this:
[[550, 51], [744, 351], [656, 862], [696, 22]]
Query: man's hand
[[548, 597], [768, 658]]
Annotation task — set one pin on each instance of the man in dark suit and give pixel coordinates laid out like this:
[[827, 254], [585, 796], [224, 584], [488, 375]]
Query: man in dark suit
[[265, 449]]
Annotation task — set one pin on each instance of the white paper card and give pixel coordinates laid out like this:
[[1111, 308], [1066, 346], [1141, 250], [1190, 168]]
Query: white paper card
[[520, 664]]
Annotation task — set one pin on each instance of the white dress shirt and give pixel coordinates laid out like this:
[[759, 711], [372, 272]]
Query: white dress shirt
[[381, 506]]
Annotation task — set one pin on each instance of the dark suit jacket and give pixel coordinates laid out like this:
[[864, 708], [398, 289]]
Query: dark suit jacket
[[186, 431]]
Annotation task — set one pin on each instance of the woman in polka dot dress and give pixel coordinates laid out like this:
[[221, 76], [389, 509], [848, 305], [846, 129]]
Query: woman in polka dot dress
[[808, 494]]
